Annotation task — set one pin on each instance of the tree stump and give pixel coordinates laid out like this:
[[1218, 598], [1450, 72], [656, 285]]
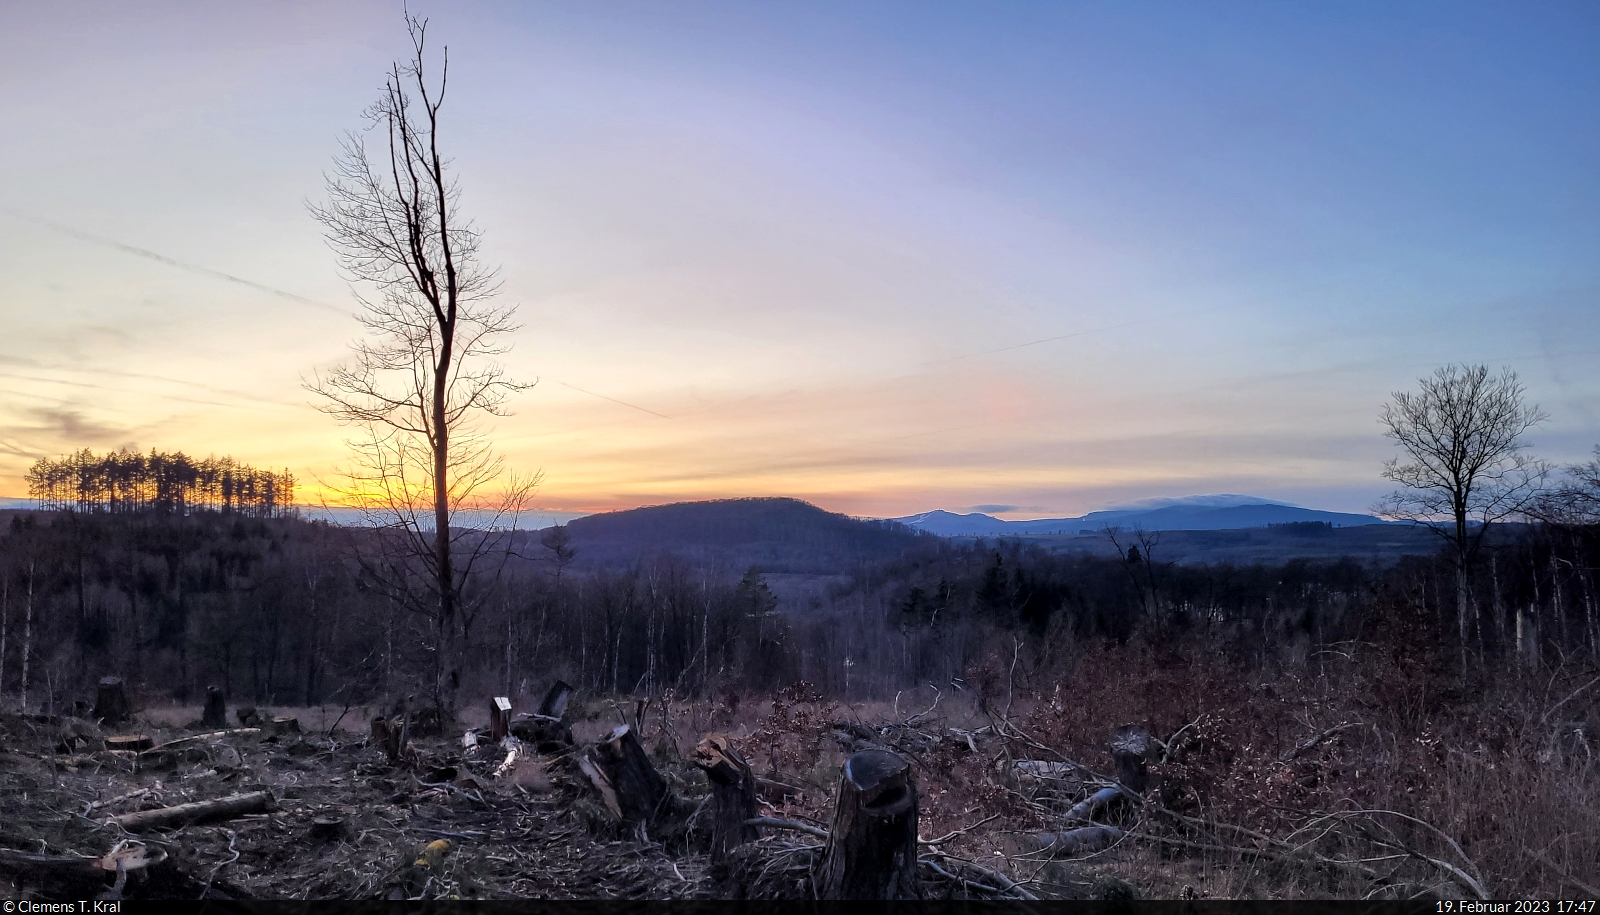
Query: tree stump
[[629, 785], [555, 701], [216, 711], [1130, 750], [733, 795], [547, 729], [499, 718], [872, 847], [111, 702]]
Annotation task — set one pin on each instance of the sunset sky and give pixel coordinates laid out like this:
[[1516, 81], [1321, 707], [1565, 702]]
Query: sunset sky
[[1032, 259]]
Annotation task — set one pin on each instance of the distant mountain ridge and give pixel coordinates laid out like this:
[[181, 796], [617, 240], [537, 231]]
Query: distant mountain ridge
[[1219, 512], [776, 534]]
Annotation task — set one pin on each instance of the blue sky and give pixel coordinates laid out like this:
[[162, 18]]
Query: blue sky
[[885, 257]]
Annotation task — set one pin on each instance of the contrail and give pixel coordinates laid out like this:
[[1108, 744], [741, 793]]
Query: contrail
[[207, 271], [612, 399], [1080, 333], [162, 258]]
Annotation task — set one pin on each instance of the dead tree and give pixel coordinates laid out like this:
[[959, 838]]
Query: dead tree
[[216, 712], [628, 783], [424, 381], [733, 795], [872, 847], [111, 702]]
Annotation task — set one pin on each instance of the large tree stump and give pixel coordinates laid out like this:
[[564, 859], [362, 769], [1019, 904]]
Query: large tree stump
[[733, 795], [555, 701], [111, 702], [216, 711], [872, 847], [1130, 750], [628, 783], [499, 718], [547, 729]]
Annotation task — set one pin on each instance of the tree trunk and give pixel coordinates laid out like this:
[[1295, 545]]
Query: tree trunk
[[216, 712], [872, 847], [620, 770], [733, 795], [111, 702]]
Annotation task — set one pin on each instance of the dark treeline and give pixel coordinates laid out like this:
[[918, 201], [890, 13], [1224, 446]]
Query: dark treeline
[[126, 481], [278, 610]]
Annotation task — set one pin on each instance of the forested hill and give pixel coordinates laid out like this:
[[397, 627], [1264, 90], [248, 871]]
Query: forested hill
[[779, 535]]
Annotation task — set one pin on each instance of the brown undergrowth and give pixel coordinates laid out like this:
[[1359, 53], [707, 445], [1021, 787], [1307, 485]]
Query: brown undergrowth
[[1349, 771]]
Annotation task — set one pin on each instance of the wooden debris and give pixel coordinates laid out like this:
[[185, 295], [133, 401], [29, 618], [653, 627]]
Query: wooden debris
[[513, 750], [216, 709], [220, 809], [129, 742], [733, 795], [872, 846], [131, 859], [77, 734], [111, 702]]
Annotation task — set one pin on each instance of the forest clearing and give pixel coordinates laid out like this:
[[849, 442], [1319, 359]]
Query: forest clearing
[[1273, 786]]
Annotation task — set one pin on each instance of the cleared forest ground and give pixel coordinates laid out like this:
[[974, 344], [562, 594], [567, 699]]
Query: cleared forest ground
[[1367, 774]]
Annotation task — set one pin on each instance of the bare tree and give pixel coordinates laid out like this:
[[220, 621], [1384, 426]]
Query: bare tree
[[422, 383], [1576, 501], [1464, 467]]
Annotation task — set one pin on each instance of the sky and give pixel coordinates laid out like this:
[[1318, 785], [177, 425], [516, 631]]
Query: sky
[[1031, 259]]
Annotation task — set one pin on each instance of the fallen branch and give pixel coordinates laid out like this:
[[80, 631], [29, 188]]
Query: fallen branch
[[791, 825], [1542, 859], [1317, 741]]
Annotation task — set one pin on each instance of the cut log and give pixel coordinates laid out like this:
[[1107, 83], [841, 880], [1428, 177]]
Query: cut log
[[499, 718], [1083, 841], [1097, 803], [216, 710], [555, 701], [733, 795], [129, 742], [872, 848], [111, 702], [629, 784], [220, 809], [1130, 750]]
